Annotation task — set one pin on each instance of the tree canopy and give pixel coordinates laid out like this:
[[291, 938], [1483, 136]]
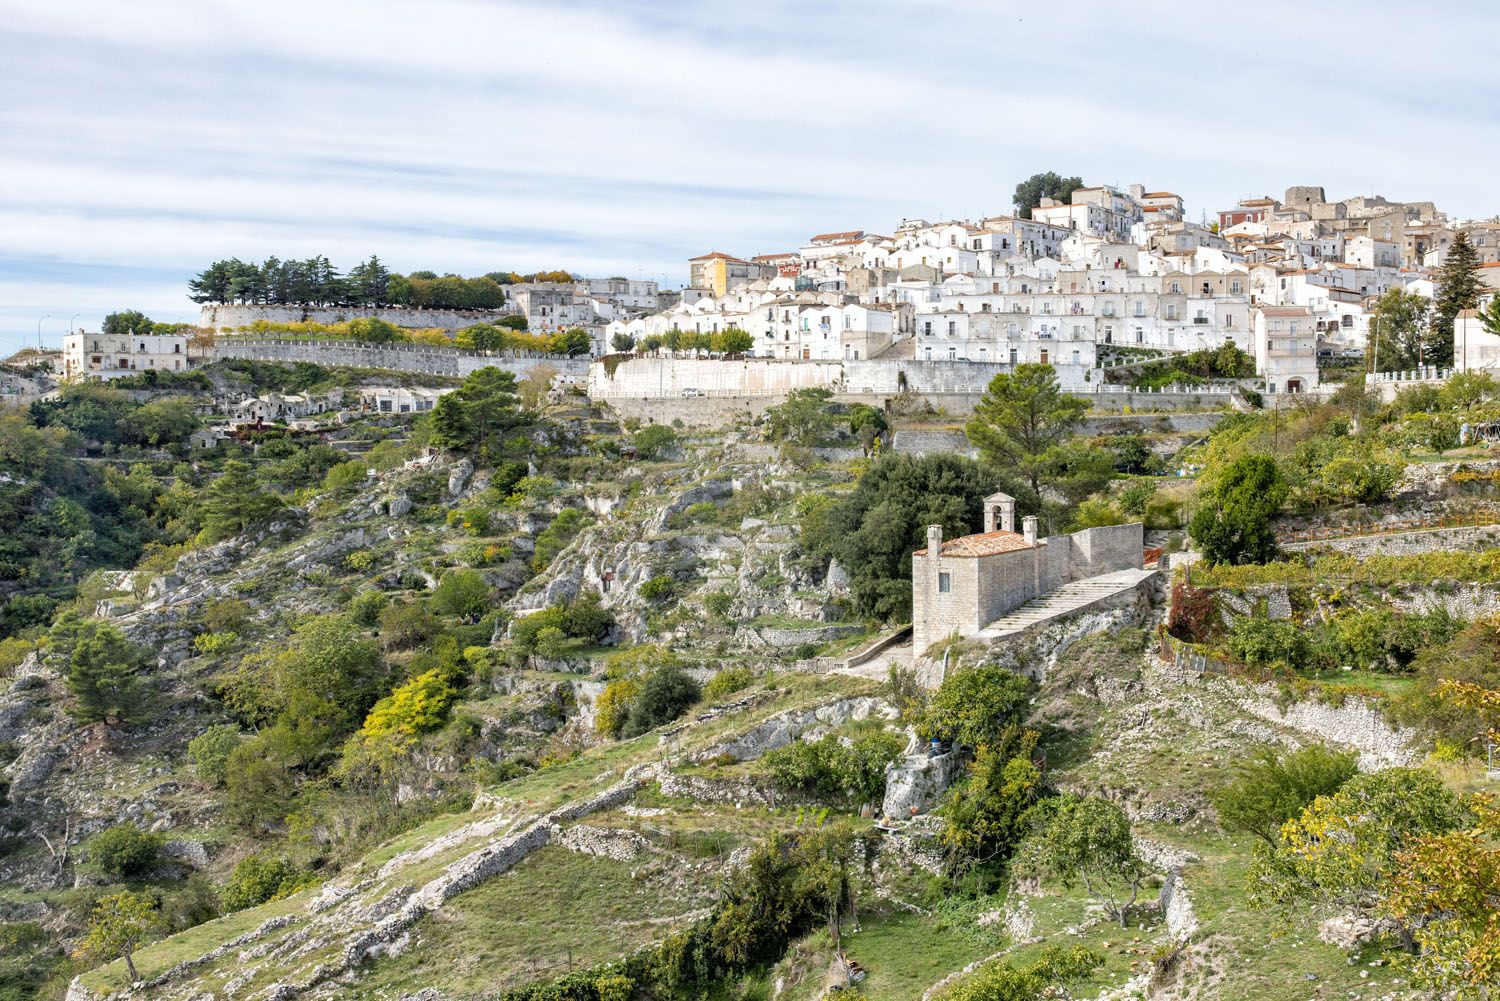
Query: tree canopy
[[478, 417], [1030, 192], [873, 531], [1459, 287], [316, 282], [1021, 422], [1233, 520]]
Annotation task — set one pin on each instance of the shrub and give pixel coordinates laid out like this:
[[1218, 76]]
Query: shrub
[[666, 693], [555, 538], [832, 768], [260, 879], [612, 707], [406, 624], [654, 442], [209, 751], [658, 588], [416, 707], [582, 618], [209, 644], [1270, 787], [359, 561], [124, 852], [718, 603], [366, 607], [226, 615], [551, 642], [1136, 495], [1268, 643], [728, 681], [462, 593], [978, 707]]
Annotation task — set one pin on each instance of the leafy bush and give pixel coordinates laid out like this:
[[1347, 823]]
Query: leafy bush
[[612, 706], [209, 644], [555, 538], [366, 607], [463, 593], [406, 624], [718, 603], [978, 707], [1271, 786], [830, 767], [1268, 643], [654, 442], [260, 879], [1136, 495], [209, 751], [984, 818], [1233, 521], [582, 618], [658, 588], [416, 707], [124, 852], [665, 694], [728, 681]]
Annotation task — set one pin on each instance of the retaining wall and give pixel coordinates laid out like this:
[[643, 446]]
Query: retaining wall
[[231, 317], [429, 360]]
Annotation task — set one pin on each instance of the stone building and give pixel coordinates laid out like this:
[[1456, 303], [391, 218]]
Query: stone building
[[960, 586], [110, 356]]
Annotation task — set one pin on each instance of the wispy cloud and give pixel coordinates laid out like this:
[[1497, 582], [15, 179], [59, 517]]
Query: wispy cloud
[[141, 141]]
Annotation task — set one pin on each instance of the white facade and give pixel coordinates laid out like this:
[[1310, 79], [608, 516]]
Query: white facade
[[109, 356], [1286, 349]]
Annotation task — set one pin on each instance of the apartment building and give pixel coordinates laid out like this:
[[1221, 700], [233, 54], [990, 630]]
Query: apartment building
[[109, 356]]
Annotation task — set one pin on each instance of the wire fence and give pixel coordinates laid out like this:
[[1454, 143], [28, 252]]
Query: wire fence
[[1189, 659]]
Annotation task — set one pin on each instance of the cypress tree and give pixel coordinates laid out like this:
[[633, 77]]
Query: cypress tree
[[1459, 288]]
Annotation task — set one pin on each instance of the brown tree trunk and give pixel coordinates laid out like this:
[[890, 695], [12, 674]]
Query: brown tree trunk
[[130, 965]]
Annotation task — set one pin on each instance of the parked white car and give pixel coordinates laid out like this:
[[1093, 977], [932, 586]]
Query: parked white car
[[690, 392]]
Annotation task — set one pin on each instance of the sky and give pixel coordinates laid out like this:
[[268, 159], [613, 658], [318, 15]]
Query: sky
[[141, 141]]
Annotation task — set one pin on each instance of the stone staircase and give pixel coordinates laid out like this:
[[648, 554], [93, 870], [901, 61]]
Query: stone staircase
[[1077, 596]]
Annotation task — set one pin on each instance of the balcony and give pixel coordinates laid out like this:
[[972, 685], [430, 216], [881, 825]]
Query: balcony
[[1200, 320]]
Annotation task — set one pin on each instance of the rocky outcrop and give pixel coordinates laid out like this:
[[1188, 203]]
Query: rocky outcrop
[[782, 729], [915, 783]]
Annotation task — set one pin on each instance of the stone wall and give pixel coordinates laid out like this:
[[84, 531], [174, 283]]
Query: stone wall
[[1095, 551], [233, 317], [1436, 540], [428, 360], [1355, 723]]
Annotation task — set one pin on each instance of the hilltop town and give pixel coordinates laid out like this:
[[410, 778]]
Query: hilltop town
[[1080, 602]]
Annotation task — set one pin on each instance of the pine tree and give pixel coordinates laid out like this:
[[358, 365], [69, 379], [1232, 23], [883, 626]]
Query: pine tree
[[1459, 288], [235, 503], [104, 676]]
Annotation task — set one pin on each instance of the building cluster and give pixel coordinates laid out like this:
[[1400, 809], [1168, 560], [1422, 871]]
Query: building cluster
[[1286, 280]]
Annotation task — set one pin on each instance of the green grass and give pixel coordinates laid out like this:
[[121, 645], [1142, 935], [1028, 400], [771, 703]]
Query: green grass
[[530, 918], [907, 953], [1380, 681]]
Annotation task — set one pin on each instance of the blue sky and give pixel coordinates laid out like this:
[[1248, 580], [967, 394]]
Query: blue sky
[[140, 141]]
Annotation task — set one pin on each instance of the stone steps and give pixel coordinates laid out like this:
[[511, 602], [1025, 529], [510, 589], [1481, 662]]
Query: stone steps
[[1067, 599]]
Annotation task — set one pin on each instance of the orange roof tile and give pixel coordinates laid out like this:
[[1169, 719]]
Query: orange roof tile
[[984, 544], [848, 234]]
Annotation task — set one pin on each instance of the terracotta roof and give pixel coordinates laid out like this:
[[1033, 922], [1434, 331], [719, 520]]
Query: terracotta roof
[[1159, 194], [713, 255], [850, 234], [984, 544], [772, 257]]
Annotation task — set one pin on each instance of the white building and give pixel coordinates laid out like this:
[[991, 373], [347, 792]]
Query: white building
[[109, 356], [1286, 348]]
